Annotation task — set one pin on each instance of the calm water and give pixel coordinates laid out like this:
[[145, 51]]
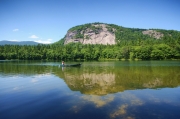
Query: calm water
[[96, 90]]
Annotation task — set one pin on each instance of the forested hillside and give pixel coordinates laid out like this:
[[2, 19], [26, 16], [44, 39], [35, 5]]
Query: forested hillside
[[131, 43], [84, 32]]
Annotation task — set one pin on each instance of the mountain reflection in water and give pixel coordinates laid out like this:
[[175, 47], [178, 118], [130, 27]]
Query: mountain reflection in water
[[101, 81], [105, 78], [107, 90]]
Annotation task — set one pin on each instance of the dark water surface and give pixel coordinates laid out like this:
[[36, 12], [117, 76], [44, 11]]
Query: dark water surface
[[96, 90]]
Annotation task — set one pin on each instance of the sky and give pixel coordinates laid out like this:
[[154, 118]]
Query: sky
[[47, 21]]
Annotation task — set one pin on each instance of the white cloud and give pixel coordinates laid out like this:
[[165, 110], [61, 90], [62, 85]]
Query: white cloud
[[48, 41], [15, 88], [13, 40], [15, 29], [34, 80], [33, 36]]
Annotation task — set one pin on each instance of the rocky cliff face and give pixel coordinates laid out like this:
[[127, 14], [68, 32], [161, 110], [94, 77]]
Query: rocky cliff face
[[96, 34], [153, 34]]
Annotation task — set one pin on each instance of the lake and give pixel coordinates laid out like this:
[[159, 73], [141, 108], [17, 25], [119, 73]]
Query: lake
[[95, 90]]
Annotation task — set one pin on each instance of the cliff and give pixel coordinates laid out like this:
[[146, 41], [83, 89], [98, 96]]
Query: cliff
[[95, 34]]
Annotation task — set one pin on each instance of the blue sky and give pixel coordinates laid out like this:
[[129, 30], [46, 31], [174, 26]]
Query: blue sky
[[47, 21]]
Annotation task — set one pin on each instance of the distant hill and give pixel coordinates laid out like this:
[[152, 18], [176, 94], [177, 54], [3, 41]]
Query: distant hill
[[5, 42], [102, 33]]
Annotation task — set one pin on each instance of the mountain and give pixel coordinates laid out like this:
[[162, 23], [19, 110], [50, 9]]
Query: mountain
[[102, 33], [5, 42]]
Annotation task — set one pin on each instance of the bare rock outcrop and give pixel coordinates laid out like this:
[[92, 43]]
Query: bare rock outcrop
[[98, 35], [153, 34]]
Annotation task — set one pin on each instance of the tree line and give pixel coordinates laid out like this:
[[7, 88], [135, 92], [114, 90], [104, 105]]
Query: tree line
[[149, 49]]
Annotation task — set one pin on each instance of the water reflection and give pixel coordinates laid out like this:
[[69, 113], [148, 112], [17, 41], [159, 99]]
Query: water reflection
[[110, 90], [102, 78], [119, 79], [97, 100]]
